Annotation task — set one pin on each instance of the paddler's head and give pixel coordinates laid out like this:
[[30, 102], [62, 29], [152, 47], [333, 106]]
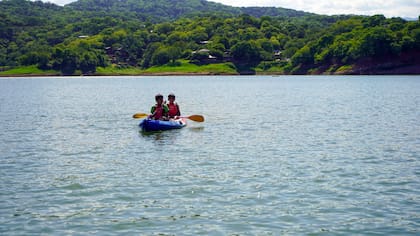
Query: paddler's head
[[159, 99], [171, 97]]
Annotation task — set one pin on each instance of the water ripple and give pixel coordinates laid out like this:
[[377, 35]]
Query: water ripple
[[275, 156]]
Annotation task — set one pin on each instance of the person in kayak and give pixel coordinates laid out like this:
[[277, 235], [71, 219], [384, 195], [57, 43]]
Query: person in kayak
[[174, 110], [159, 110]]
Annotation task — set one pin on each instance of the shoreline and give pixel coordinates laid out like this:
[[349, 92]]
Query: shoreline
[[168, 74], [362, 67], [359, 70]]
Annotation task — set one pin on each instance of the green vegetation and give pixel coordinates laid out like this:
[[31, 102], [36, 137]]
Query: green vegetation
[[168, 10], [28, 70], [115, 70], [185, 67], [179, 67], [130, 37]]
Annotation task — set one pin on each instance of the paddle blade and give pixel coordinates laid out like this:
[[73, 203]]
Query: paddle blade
[[139, 115], [197, 118]]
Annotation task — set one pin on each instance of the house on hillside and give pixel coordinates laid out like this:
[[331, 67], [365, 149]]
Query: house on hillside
[[118, 56], [204, 56], [277, 54]]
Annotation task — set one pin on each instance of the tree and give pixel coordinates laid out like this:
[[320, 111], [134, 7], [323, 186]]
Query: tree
[[266, 49], [373, 21], [161, 57], [246, 51], [149, 53], [79, 54], [65, 61], [304, 55], [378, 41], [164, 28]]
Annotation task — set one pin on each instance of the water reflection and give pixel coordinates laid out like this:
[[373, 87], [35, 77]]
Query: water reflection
[[170, 137], [157, 135], [197, 129], [160, 137]]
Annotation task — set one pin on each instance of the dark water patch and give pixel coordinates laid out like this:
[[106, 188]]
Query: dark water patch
[[75, 186]]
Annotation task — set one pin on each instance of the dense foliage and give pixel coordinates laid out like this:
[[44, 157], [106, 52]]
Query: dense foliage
[[91, 33], [164, 10]]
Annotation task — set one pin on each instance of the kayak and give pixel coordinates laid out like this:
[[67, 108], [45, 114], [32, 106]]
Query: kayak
[[148, 125]]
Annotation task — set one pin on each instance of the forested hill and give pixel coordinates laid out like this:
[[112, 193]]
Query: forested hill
[[81, 37], [159, 10]]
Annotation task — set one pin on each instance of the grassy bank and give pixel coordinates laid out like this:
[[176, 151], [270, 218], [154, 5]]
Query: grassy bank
[[184, 67], [28, 71], [115, 70], [178, 68]]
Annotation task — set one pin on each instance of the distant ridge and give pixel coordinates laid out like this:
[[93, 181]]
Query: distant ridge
[[162, 10]]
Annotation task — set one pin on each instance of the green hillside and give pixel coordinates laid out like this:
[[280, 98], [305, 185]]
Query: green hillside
[[130, 36]]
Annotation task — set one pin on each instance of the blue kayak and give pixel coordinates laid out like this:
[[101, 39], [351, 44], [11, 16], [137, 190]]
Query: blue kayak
[[148, 125]]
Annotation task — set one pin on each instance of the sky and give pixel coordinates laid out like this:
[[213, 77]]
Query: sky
[[389, 8]]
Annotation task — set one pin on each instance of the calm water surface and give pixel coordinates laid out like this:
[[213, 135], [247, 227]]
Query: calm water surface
[[276, 155]]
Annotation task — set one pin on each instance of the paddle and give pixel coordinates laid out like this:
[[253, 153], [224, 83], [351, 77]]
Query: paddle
[[196, 118], [139, 115]]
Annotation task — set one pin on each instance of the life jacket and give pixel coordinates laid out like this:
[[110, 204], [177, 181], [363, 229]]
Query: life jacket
[[159, 111], [173, 109]]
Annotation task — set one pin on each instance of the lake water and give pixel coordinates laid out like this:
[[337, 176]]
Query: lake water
[[276, 155]]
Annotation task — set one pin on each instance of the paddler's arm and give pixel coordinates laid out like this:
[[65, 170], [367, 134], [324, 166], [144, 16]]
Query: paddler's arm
[[153, 112], [165, 115]]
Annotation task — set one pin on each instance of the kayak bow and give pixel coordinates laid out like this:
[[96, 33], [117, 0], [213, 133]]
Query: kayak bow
[[148, 125]]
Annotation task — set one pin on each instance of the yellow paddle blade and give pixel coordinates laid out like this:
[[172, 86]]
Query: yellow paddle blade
[[139, 115], [197, 118]]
